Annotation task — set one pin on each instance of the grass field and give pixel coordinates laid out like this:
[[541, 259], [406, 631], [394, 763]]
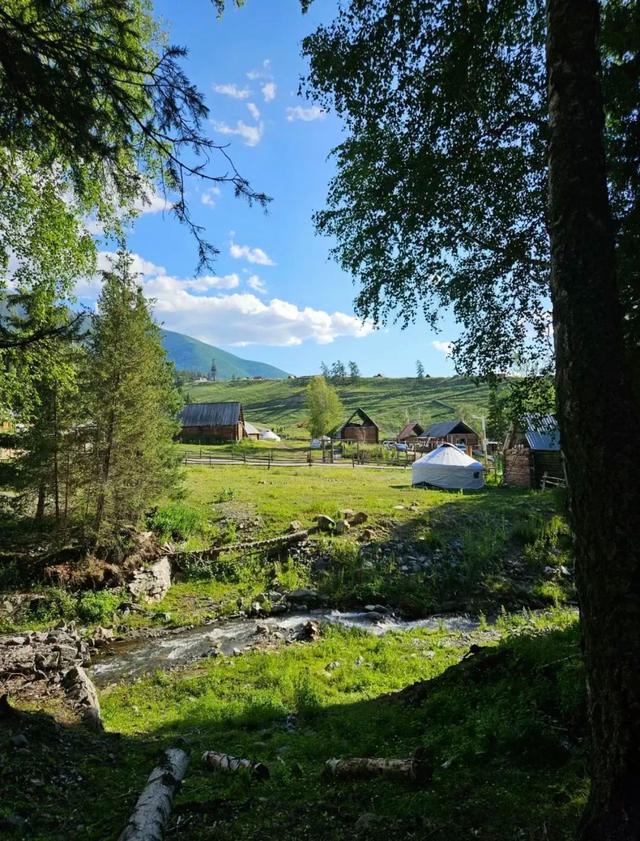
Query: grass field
[[280, 404], [503, 731]]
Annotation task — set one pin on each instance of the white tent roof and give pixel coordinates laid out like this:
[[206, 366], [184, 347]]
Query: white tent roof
[[447, 467], [269, 435]]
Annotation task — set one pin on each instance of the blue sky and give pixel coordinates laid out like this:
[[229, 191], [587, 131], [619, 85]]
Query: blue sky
[[276, 295]]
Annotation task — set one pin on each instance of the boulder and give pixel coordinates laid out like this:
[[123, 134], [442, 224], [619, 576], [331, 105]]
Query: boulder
[[295, 525], [325, 523], [359, 518], [347, 513], [302, 596], [153, 582], [342, 527]]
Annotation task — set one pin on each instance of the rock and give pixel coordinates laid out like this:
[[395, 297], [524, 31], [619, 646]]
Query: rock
[[295, 525], [19, 741], [335, 664], [347, 513], [309, 632], [302, 596], [376, 608], [102, 636], [17, 641], [399, 507], [359, 660], [151, 583], [359, 518], [342, 526], [563, 570], [366, 535], [325, 523], [236, 652]]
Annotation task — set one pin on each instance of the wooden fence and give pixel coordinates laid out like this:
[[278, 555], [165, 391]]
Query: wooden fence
[[296, 457]]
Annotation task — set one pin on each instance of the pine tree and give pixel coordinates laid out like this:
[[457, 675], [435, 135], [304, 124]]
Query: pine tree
[[325, 408], [133, 406], [354, 372], [324, 370], [419, 370], [214, 370]]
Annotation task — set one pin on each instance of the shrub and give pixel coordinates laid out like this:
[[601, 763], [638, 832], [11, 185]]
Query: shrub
[[98, 607], [175, 521]]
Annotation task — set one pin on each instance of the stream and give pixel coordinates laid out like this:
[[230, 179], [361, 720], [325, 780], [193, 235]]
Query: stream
[[133, 658]]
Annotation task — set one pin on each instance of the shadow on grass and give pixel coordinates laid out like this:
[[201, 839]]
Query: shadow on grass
[[504, 730]]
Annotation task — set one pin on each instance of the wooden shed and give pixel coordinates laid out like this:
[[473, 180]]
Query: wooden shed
[[449, 432], [210, 423], [359, 427], [532, 453], [410, 432]]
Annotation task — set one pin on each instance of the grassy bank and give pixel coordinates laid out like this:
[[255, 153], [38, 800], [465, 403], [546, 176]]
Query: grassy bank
[[420, 551]]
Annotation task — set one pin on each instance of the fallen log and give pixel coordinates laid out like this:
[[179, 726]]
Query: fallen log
[[230, 764], [416, 768], [150, 815], [246, 546]]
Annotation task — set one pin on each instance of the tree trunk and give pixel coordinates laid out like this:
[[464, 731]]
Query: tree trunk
[[230, 764], [598, 420]]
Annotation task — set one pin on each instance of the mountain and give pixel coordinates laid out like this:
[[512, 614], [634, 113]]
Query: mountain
[[189, 354]]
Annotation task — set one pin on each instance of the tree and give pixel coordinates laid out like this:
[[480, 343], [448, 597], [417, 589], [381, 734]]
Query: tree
[[497, 420], [440, 188], [354, 372], [594, 384], [96, 114], [449, 100], [324, 370], [133, 406], [325, 408], [419, 370], [214, 370], [338, 371]]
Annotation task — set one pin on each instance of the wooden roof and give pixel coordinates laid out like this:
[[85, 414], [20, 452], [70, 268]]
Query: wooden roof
[[211, 414], [364, 417], [412, 428]]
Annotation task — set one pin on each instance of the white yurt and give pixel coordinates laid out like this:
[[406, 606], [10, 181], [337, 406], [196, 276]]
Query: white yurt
[[447, 467], [269, 435]]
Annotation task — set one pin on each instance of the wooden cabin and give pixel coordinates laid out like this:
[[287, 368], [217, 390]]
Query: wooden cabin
[[532, 453], [359, 427], [449, 432], [210, 423], [409, 434]]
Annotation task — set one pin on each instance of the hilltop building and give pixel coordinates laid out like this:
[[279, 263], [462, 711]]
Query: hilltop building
[[359, 427]]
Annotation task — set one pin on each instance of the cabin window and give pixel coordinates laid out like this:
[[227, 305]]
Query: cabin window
[[476, 475]]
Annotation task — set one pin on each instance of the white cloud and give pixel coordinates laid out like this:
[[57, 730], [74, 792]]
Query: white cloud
[[252, 255], [152, 202], [269, 91], [253, 110], [443, 347], [233, 91], [209, 196], [236, 319], [307, 115], [263, 72], [257, 283], [252, 135]]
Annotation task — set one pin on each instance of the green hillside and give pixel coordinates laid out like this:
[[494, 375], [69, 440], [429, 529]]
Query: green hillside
[[390, 402], [189, 354]]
